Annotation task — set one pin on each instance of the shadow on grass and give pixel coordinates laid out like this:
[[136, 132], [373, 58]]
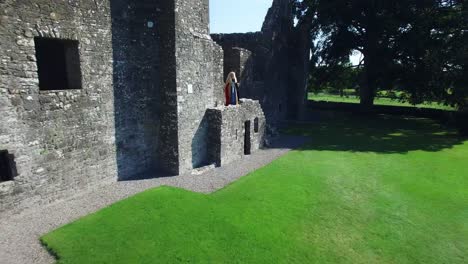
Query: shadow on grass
[[381, 134]]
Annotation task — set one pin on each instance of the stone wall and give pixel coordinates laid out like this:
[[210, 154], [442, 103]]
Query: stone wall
[[228, 128], [148, 94], [254, 42], [199, 81], [235, 60], [168, 132], [62, 140], [278, 72], [137, 90]]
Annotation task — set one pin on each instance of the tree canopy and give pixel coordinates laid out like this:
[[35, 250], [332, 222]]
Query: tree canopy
[[417, 46]]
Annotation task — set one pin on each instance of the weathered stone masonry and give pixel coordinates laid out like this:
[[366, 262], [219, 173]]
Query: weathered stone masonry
[[199, 81], [62, 140], [277, 70], [151, 96], [137, 93], [237, 130]]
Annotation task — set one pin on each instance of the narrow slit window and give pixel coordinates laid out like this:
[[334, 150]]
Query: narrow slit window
[[7, 166], [256, 125], [58, 64]]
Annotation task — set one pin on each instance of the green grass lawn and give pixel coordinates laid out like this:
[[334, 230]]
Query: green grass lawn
[[378, 101], [365, 190]]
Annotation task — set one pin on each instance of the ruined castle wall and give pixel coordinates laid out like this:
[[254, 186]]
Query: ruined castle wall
[[148, 95], [199, 81], [62, 140], [277, 74], [236, 60], [250, 40], [265, 77], [263, 81], [137, 90], [168, 133], [232, 126]]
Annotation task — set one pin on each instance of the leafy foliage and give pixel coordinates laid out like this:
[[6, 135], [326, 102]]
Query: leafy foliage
[[334, 79], [419, 47]]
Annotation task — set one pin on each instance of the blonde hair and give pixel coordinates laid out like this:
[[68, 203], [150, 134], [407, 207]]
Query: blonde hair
[[231, 75]]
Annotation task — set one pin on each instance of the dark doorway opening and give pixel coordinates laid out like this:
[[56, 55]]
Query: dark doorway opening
[[7, 166], [247, 142], [58, 64]]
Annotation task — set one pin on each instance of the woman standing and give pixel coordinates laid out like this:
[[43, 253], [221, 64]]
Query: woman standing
[[231, 90]]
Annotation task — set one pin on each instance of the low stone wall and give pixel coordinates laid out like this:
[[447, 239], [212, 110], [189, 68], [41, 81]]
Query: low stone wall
[[235, 131]]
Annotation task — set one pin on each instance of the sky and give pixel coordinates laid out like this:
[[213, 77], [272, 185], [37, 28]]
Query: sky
[[237, 16], [243, 16]]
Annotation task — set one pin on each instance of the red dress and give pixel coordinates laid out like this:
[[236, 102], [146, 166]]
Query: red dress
[[227, 93]]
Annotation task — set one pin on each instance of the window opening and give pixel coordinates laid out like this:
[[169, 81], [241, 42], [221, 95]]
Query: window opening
[[58, 64], [7, 166]]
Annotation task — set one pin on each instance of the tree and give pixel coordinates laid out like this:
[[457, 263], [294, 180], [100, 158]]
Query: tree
[[416, 45], [433, 54]]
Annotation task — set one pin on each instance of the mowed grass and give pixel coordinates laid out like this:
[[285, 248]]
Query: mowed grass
[[378, 101], [365, 190]]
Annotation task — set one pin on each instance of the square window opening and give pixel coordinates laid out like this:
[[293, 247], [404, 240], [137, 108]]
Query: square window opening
[[7, 166], [58, 64]]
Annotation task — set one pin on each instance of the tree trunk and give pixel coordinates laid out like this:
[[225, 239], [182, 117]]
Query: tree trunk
[[367, 93]]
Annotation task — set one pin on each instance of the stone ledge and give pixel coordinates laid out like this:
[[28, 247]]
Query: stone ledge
[[244, 103]]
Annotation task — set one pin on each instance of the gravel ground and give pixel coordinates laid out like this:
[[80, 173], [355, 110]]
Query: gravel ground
[[19, 234]]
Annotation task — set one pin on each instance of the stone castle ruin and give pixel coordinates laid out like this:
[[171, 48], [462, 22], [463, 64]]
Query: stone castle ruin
[[93, 91]]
